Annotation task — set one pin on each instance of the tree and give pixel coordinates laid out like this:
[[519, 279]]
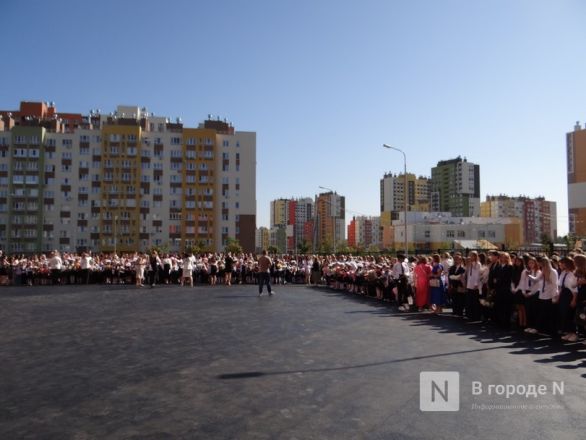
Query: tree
[[372, 249], [303, 247], [326, 247], [343, 248], [272, 250], [233, 246]]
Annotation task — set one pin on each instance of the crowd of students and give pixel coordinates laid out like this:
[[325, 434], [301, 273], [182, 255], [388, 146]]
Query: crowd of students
[[531, 293], [534, 294], [142, 269]]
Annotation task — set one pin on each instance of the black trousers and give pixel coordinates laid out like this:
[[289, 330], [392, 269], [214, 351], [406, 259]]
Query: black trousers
[[264, 278], [56, 276], [472, 305], [546, 317], [503, 308], [402, 290], [458, 302], [566, 312], [153, 276], [531, 308]]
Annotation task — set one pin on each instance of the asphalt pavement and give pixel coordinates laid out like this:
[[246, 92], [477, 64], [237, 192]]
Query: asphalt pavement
[[117, 362]]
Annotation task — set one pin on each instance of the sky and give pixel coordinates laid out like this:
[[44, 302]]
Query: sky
[[324, 83]]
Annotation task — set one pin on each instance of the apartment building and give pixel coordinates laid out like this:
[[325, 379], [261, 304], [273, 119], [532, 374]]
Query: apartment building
[[393, 193], [330, 220], [455, 187], [123, 181], [537, 215], [291, 215], [364, 231], [576, 162]]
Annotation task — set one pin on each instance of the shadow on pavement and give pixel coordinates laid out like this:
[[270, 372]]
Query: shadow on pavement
[[564, 355]]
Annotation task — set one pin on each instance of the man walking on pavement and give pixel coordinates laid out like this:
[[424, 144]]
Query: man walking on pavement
[[264, 275]]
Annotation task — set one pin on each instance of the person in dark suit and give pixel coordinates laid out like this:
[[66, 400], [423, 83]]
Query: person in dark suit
[[503, 299]]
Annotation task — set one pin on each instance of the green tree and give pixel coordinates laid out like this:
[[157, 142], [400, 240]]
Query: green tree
[[233, 246], [272, 250], [343, 248], [303, 247], [326, 247], [372, 249]]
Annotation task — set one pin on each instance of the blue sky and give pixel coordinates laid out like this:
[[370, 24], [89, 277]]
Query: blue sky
[[325, 83]]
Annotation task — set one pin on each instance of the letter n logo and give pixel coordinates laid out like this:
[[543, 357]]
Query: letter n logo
[[439, 391]]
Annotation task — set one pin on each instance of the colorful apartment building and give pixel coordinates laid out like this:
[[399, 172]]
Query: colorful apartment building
[[455, 187], [364, 232], [576, 161], [124, 181], [290, 216], [538, 216]]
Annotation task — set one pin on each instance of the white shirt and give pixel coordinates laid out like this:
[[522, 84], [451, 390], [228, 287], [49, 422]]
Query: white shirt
[[548, 289], [473, 276], [399, 268], [85, 262], [56, 262], [526, 284], [187, 265], [569, 281]]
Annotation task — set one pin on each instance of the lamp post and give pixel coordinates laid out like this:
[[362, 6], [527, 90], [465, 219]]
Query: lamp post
[[115, 236], [334, 192], [405, 192]]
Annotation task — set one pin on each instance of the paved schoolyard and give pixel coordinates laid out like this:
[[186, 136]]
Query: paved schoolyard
[[118, 362]]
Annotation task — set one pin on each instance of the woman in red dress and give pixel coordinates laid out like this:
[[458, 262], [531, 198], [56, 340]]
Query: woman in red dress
[[422, 271]]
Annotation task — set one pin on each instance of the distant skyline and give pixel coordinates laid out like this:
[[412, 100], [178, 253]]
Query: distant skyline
[[326, 83]]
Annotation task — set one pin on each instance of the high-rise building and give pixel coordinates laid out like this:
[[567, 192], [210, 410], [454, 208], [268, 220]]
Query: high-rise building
[[364, 232], [303, 209], [330, 220], [262, 239], [538, 216], [576, 160], [292, 215], [123, 181], [392, 194], [455, 187], [278, 238], [279, 212]]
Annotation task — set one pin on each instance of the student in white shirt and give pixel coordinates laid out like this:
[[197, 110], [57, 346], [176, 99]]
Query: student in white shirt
[[547, 282], [568, 288], [473, 287], [187, 273], [530, 290]]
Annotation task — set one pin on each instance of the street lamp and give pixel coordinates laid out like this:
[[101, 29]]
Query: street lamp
[[115, 236], [405, 192]]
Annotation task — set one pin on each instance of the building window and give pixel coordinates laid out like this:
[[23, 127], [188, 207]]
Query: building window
[[450, 234]]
